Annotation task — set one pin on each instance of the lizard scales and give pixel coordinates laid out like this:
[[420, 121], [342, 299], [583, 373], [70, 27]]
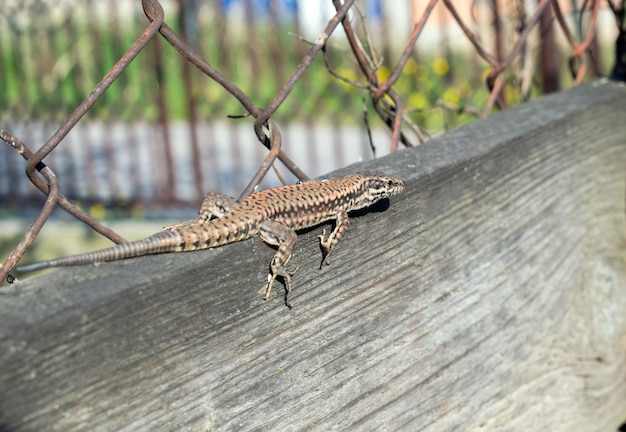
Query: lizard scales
[[273, 214]]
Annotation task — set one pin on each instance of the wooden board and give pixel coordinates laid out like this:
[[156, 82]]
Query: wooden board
[[490, 295]]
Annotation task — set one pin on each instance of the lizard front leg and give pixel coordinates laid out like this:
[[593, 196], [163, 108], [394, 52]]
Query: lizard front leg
[[277, 234], [327, 244]]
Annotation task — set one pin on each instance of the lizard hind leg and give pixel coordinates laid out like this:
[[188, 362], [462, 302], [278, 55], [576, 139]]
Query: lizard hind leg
[[277, 234], [214, 205]]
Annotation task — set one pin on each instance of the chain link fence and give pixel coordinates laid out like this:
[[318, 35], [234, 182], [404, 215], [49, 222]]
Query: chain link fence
[[165, 124]]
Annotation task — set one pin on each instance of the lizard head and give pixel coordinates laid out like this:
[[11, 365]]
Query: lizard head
[[376, 186]]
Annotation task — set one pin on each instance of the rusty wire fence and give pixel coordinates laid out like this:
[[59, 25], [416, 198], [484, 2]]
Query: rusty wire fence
[[509, 80]]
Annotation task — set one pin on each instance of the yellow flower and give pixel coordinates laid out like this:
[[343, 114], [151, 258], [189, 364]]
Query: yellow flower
[[383, 73], [483, 76], [511, 94], [451, 95], [97, 211], [211, 93], [417, 101], [441, 66]]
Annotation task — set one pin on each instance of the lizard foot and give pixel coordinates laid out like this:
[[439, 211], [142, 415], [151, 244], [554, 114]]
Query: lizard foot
[[326, 245], [286, 275]]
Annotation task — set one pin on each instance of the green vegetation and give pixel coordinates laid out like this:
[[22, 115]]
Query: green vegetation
[[48, 69], [49, 62]]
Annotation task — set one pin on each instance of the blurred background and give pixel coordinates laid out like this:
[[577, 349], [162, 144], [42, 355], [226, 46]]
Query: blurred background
[[161, 136]]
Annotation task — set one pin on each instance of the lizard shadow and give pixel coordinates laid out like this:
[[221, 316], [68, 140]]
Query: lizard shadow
[[377, 207]]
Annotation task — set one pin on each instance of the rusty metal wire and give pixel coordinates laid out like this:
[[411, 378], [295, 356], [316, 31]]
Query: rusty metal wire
[[392, 112], [54, 197], [386, 100]]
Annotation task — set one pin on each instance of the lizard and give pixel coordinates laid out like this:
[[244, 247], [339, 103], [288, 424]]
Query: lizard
[[273, 214]]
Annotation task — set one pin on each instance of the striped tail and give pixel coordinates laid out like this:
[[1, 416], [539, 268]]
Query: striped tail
[[161, 242]]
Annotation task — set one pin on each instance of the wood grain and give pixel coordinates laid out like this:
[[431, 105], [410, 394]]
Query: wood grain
[[490, 295]]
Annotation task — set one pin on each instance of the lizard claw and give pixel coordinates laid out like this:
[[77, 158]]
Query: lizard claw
[[324, 242]]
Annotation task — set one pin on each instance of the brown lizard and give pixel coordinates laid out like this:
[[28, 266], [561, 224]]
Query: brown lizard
[[273, 214]]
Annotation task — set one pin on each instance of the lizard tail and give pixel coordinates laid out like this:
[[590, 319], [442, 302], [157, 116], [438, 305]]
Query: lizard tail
[[161, 242]]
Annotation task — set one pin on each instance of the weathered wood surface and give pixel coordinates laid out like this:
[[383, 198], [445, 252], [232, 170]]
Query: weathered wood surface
[[491, 295]]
